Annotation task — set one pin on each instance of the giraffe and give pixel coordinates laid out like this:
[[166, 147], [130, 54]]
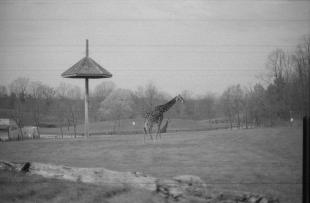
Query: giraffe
[[156, 116]]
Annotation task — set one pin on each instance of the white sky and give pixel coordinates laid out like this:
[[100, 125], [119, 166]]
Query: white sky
[[198, 45]]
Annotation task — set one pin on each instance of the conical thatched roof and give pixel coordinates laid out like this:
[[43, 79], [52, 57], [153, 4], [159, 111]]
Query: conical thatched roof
[[86, 68]]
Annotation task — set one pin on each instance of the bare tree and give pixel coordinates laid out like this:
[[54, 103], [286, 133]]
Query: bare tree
[[206, 105], [101, 92], [257, 104], [40, 98], [19, 88], [3, 91], [138, 102], [62, 90], [247, 96], [65, 90], [74, 92], [276, 64], [151, 93], [48, 94], [36, 92], [58, 110], [226, 101], [302, 72], [117, 106], [145, 98], [17, 115], [232, 100], [237, 94], [187, 110], [71, 108], [73, 116]]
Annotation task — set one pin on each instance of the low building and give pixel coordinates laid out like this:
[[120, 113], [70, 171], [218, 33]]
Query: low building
[[10, 131]]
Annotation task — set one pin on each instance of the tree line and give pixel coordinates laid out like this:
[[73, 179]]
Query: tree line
[[282, 93]]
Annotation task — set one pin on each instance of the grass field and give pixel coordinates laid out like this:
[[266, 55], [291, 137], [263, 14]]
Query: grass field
[[266, 160], [125, 127]]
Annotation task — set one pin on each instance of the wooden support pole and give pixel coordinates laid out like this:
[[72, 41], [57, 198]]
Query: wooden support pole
[[86, 130]]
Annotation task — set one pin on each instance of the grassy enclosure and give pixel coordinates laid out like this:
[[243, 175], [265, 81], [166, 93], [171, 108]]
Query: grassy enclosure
[[265, 160], [125, 126]]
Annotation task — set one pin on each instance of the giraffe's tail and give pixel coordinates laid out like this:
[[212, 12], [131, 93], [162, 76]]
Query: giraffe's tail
[[144, 130], [145, 133]]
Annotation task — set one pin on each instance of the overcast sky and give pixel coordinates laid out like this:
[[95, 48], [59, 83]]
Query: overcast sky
[[198, 45]]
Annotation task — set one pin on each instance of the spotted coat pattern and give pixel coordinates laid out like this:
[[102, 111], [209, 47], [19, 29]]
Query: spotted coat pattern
[[156, 116]]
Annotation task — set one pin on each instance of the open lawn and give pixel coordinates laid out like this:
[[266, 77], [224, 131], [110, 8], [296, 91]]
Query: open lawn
[[266, 160], [125, 126]]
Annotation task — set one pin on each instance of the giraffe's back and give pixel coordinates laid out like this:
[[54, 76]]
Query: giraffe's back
[[154, 116]]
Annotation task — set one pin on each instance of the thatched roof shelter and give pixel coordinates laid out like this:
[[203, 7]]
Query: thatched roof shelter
[[86, 68]]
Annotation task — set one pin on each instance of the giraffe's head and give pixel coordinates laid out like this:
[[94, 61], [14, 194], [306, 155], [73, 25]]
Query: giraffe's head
[[179, 98]]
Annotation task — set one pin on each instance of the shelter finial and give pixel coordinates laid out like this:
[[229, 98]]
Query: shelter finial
[[86, 47]]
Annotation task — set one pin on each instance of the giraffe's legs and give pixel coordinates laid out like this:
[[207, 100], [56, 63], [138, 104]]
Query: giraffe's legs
[[147, 129], [158, 130], [150, 132]]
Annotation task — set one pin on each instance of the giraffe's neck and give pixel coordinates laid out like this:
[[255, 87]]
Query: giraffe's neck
[[168, 105]]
